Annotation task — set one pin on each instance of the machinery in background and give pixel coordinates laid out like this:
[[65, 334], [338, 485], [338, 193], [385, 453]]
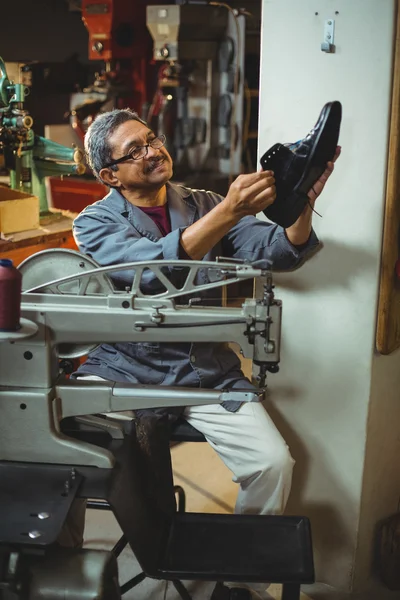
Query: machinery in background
[[117, 36], [199, 100], [181, 68], [29, 158]]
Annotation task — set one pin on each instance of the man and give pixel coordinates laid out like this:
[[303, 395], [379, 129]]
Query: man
[[146, 217]]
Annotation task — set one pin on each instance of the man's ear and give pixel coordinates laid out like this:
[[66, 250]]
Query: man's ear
[[109, 177]]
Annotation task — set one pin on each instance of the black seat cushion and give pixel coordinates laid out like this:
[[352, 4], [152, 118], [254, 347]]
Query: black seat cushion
[[265, 548], [182, 431]]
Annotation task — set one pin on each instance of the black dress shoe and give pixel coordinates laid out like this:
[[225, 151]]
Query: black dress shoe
[[222, 592], [298, 166]]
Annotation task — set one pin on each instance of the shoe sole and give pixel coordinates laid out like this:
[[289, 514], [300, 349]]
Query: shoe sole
[[290, 202], [324, 147]]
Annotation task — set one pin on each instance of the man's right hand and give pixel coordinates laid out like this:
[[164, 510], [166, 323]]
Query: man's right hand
[[249, 194]]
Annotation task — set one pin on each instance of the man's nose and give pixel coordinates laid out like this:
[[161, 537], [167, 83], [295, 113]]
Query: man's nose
[[152, 151]]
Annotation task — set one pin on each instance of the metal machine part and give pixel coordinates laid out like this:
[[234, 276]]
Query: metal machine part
[[35, 501], [40, 268], [58, 574], [28, 157], [54, 470], [79, 309], [45, 266], [50, 492]]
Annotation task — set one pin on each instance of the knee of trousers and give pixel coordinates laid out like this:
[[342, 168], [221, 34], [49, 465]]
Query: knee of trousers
[[273, 463], [282, 463]]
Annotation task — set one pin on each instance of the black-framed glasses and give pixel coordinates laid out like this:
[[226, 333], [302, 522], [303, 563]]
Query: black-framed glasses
[[139, 151]]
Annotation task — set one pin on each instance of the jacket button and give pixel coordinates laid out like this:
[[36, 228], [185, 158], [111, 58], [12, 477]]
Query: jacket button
[[192, 359]]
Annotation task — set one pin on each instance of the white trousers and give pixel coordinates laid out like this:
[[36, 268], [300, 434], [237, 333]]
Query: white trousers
[[252, 448]]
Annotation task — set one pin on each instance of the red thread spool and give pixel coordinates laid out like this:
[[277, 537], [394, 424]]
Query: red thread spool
[[10, 295]]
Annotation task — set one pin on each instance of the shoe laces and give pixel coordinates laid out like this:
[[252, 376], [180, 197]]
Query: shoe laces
[[311, 206]]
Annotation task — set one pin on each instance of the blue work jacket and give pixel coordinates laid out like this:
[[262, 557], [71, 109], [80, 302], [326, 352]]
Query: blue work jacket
[[114, 231]]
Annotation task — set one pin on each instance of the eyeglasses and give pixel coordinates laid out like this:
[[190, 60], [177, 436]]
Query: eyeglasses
[[139, 151]]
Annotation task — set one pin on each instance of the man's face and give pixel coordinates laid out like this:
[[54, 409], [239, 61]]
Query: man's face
[[151, 172]]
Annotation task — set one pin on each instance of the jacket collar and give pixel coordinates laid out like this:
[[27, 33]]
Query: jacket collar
[[181, 206]]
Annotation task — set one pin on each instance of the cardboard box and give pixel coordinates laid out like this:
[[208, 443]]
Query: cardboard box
[[18, 211]]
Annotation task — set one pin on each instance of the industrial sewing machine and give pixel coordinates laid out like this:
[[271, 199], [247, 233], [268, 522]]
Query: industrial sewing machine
[[44, 468], [29, 158]]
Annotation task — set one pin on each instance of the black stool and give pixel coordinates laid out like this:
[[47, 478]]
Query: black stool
[[182, 431], [173, 545]]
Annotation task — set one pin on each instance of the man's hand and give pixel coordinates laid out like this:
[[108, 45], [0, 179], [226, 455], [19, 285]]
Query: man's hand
[[320, 184], [249, 194], [299, 233]]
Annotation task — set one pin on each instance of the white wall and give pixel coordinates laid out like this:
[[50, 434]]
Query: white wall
[[381, 488], [322, 397]]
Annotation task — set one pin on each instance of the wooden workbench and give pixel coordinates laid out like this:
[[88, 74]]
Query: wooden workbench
[[54, 232]]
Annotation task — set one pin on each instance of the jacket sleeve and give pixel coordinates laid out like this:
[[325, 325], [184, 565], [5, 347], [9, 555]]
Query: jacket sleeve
[[110, 240], [253, 239]]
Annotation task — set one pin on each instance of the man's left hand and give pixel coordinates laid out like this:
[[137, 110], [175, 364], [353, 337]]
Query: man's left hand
[[320, 184]]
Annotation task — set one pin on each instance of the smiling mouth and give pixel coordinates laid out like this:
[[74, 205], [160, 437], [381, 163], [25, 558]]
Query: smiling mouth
[[155, 166]]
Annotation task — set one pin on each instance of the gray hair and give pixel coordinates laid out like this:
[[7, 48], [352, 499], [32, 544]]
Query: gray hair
[[97, 138]]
